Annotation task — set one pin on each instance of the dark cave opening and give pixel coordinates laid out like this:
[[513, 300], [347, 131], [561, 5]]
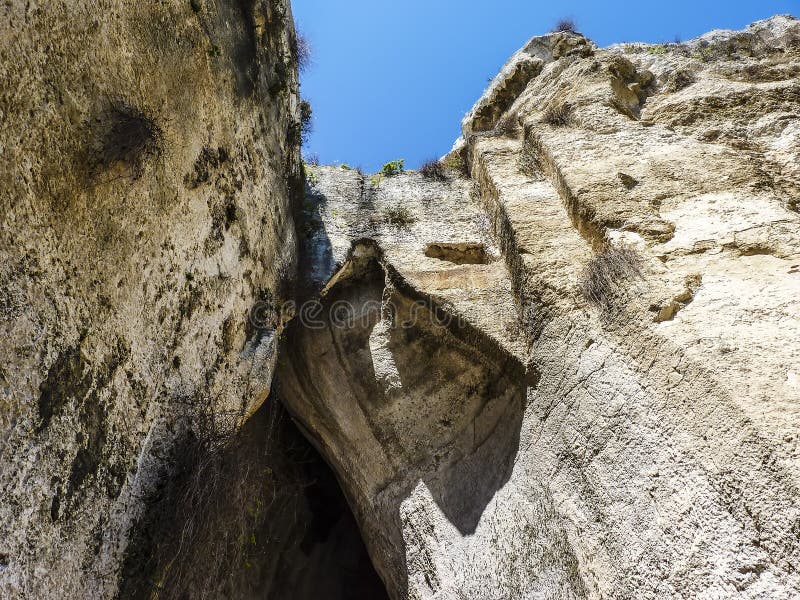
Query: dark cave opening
[[330, 559], [290, 535]]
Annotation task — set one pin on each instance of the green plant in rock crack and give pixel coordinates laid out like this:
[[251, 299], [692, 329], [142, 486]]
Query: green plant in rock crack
[[394, 167]]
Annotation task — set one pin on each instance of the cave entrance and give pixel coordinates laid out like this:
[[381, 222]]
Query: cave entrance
[[259, 516], [328, 558]]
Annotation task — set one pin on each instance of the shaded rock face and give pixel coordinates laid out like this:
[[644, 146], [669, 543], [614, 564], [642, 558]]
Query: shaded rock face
[[605, 404], [263, 518], [462, 404], [148, 150]]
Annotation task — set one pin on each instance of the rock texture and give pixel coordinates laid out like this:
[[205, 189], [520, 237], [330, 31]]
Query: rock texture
[[572, 374], [147, 154], [576, 374]]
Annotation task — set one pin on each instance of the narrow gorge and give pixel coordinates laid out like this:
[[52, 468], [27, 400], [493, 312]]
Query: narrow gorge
[[561, 362]]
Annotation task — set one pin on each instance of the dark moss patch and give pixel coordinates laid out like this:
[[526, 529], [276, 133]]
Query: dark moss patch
[[68, 378], [244, 248], [230, 213], [223, 214], [124, 138], [228, 334], [294, 133], [207, 162], [55, 506], [244, 50], [211, 244], [190, 301], [93, 434], [89, 456]]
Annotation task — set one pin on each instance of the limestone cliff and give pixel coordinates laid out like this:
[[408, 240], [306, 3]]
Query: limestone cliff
[[562, 363], [147, 154], [576, 373]]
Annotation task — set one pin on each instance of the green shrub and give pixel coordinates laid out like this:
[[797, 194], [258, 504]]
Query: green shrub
[[456, 162], [658, 49], [398, 216], [393, 168], [306, 124]]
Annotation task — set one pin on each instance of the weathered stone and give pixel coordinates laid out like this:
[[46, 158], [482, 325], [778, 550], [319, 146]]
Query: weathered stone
[[573, 375], [145, 211], [548, 445]]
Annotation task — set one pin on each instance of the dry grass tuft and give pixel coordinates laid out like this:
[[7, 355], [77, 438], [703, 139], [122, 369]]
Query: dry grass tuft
[[433, 169], [302, 51], [558, 115], [567, 24], [124, 137], [199, 538], [605, 274], [508, 125]]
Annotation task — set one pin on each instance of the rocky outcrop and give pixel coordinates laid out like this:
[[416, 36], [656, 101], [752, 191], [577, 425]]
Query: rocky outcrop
[[602, 401], [565, 369], [147, 154]]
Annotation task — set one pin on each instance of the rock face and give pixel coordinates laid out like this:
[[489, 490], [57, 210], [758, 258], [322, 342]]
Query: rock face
[[575, 375], [147, 154]]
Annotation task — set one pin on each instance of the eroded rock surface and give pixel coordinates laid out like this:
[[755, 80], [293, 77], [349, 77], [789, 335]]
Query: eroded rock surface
[[502, 433], [147, 154], [573, 374]]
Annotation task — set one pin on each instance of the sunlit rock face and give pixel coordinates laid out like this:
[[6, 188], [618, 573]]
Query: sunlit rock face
[[147, 153], [575, 373]]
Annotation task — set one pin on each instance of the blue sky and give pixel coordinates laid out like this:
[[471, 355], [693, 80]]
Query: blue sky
[[393, 79]]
